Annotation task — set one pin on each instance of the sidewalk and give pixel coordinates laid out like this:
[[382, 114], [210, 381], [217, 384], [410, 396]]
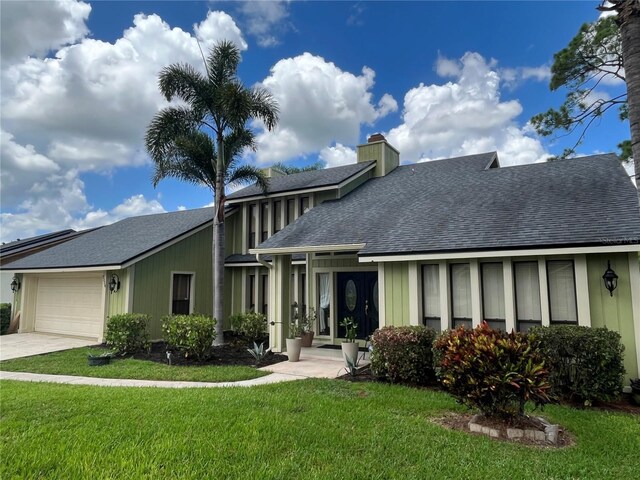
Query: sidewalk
[[307, 367]]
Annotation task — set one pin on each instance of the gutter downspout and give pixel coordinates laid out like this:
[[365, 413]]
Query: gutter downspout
[[262, 262]]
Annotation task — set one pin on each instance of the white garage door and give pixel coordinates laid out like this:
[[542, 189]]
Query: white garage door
[[70, 306]]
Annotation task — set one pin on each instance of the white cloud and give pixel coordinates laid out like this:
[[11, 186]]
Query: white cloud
[[463, 117], [36, 27], [84, 109], [338, 155], [266, 20], [319, 104], [514, 77], [446, 67]]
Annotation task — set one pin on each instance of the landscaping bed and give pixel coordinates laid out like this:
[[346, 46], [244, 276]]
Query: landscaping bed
[[234, 352]]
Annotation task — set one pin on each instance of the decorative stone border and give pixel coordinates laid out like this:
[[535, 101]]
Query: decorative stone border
[[549, 435]]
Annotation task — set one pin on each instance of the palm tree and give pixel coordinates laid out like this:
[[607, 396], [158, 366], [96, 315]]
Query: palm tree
[[200, 140], [628, 20]]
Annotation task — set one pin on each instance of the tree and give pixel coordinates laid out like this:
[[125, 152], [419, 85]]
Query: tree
[[200, 140], [606, 49], [288, 169]]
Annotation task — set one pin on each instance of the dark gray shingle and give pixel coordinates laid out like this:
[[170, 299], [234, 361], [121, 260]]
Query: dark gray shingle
[[117, 243], [458, 205], [303, 180]]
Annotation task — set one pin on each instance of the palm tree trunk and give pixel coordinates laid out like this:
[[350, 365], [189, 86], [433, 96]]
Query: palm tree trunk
[[218, 246], [629, 21]]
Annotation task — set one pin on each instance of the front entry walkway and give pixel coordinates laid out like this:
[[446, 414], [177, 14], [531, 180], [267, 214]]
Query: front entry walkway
[[19, 345]]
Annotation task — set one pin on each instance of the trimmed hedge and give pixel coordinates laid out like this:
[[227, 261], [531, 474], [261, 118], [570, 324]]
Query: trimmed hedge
[[251, 325], [493, 371], [5, 317], [403, 354], [585, 363], [191, 335], [127, 333]]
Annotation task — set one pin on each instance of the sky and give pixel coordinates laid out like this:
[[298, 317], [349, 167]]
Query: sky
[[438, 79]]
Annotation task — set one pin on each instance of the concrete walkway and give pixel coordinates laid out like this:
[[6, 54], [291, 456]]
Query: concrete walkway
[[308, 367], [19, 345]]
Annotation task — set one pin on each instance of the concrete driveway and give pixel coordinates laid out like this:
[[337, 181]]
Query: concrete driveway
[[19, 345]]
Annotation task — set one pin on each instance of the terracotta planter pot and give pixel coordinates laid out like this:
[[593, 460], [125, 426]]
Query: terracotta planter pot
[[293, 349], [307, 338], [350, 350]]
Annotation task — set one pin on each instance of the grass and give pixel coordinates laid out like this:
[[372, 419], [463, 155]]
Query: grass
[[74, 362], [315, 429]]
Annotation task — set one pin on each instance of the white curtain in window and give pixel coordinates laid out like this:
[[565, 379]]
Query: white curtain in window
[[527, 291], [562, 291], [461, 290], [431, 290], [324, 298], [493, 291]]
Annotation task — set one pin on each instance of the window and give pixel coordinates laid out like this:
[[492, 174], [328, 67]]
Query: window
[[461, 294], [291, 210], [277, 216], [431, 296], [264, 221], [264, 284], [251, 293], [324, 304], [304, 205], [527, 282], [252, 225], [493, 295], [562, 291], [181, 293]]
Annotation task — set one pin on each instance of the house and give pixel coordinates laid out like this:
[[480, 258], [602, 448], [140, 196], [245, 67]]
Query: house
[[440, 243], [154, 264]]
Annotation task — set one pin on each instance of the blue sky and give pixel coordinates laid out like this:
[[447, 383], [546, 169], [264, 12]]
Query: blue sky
[[439, 79]]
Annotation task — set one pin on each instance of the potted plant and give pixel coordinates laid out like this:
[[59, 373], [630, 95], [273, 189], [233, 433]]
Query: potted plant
[[350, 346], [97, 359], [306, 323], [294, 342]]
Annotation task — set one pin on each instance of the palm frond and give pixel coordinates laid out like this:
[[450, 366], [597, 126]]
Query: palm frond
[[249, 174], [185, 82]]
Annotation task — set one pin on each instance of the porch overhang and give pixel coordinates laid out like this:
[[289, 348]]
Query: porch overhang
[[307, 249]]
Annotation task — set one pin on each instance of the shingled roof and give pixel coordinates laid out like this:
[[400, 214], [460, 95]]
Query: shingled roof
[[118, 243], [326, 177], [461, 205]]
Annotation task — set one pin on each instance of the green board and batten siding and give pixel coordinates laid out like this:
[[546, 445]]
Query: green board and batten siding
[[396, 293], [152, 277], [615, 312], [117, 302]]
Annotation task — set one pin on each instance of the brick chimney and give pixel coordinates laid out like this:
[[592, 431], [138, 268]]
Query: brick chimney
[[377, 148]]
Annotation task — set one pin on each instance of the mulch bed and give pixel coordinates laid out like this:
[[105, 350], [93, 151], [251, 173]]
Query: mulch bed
[[460, 421], [234, 352]]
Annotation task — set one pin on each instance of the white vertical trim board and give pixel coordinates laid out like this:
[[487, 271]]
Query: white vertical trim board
[[509, 296], [476, 292], [582, 290], [131, 277], [445, 292], [544, 291], [414, 294], [634, 283], [382, 313]]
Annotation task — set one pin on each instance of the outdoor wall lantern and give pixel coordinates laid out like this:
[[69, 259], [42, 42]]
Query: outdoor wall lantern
[[114, 283], [610, 279], [15, 284]]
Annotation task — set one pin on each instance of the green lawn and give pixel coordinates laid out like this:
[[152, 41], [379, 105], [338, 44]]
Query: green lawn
[[74, 362], [315, 429]]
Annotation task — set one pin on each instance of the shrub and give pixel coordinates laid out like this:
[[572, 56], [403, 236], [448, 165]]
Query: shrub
[[250, 325], [403, 354], [495, 372], [191, 335], [5, 317], [127, 333], [585, 363]]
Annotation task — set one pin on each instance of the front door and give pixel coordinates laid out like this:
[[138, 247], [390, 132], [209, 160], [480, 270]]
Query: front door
[[358, 298]]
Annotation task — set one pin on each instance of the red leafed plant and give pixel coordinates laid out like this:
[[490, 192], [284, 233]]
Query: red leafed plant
[[495, 372]]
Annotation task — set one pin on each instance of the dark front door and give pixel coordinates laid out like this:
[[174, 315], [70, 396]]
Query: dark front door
[[358, 298]]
